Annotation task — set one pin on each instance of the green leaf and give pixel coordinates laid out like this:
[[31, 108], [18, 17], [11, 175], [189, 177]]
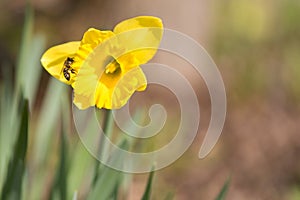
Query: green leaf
[[106, 184], [47, 119], [107, 129], [79, 167], [13, 183], [62, 173], [108, 180], [147, 193], [60, 184], [28, 69], [224, 190]]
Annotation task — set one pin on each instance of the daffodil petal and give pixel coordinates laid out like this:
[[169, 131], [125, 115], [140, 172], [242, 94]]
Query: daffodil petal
[[140, 36], [53, 59], [94, 36], [138, 22], [142, 87], [82, 102], [85, 86], [91, 39]]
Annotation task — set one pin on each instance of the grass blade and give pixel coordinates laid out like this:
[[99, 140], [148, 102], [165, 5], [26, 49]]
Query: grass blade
[[107, 129], [47, 119], [147, 193], [223, 192], [28, 69], [106, 184], [62, 175], [60, 184], [108, 180], [13, 183]]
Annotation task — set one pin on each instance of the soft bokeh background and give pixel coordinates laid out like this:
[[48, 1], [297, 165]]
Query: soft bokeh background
[[255, 44]]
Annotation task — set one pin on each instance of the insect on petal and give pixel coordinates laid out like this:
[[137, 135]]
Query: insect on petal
[[53, 59]]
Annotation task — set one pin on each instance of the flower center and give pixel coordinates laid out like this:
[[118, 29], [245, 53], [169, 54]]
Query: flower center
[[112, 65]]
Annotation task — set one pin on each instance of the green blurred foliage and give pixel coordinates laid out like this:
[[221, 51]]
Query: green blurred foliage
[[258, 43]]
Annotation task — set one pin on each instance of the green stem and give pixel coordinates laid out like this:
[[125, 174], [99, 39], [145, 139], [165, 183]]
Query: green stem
[[107, 124]]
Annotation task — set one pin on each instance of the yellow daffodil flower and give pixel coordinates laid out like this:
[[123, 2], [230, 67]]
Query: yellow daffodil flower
[[103, 68]]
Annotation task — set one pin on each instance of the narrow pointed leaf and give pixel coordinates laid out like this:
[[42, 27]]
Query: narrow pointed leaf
[[147, 193], [224, 190], [13, 183]]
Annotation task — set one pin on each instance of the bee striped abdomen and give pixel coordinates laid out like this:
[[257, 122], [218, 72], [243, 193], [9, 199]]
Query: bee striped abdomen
[[67, 70]]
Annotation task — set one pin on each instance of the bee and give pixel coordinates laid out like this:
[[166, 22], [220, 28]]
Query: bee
[[67, 69]]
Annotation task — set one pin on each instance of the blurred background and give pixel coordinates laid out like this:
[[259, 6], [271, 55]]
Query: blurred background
[[255, 44]]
